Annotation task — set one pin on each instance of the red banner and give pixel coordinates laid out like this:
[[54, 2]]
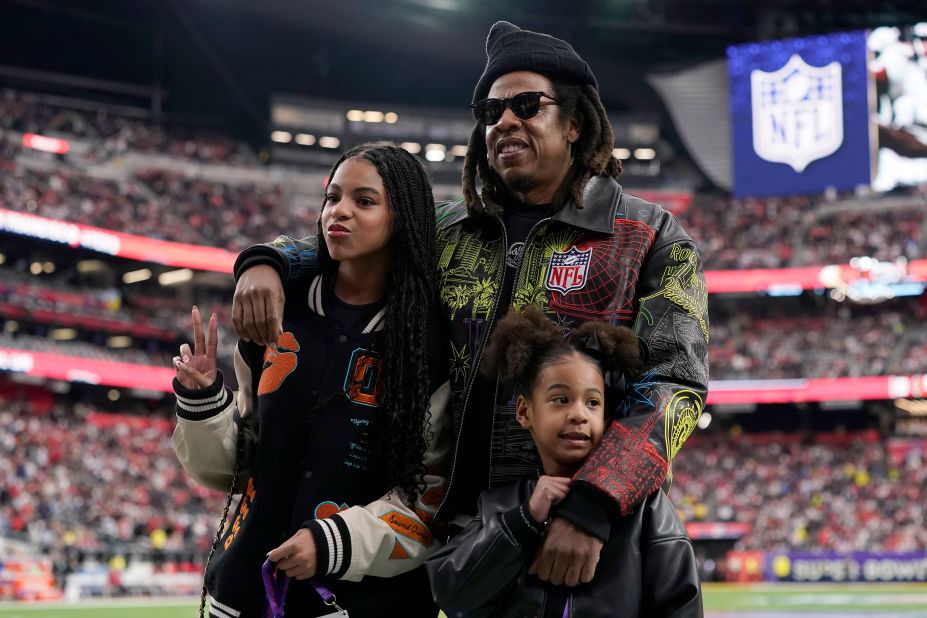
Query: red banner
[[91, 371], [816, 389], [771, 281], [122, 245]]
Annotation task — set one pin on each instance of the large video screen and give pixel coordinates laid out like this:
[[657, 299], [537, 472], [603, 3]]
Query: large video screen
[[899, 69], [800, 115]]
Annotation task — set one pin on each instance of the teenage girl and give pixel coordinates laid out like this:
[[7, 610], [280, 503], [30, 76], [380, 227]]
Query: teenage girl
[[337, 435]]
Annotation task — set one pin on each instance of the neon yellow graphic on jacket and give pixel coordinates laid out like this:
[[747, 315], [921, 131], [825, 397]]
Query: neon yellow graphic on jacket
[[469, 269], [680, 419], [682, 287], [530, 289]]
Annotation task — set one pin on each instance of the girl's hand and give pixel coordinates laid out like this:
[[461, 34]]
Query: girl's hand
[[550, 490], [198, 369], [297, 556]]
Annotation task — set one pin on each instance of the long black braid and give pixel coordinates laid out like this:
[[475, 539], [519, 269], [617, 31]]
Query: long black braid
[[239, 455], [401, 435], [592, 152]]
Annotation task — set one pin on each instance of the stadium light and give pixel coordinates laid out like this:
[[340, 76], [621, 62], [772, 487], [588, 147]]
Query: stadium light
[[63, 334], [119, 341], [621, 153], [373, 116], [113, 395], [435, 152], [704, 420], [46, 144], [48, 267], [459, 150], [329, 142], [11, 326], [2, 259], [305, 139], [391, 117], [136, 276], [173, 277], [89, 266], [35, 268], [355, 115], [645, 154], [411, 147], [281, 137]]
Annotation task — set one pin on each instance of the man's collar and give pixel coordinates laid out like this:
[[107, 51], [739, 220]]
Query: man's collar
[[600, 205]]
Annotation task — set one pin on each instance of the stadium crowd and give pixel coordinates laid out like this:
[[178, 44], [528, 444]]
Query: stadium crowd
[[731, 234], [112, 134], [829, 341], [830, 492], [97, 483], [103, 483]]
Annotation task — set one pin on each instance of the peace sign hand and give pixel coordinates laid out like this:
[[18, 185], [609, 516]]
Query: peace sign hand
[[197, 370]]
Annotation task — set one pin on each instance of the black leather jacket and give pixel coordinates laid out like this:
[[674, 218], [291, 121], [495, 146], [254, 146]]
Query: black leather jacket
[[647, 566]]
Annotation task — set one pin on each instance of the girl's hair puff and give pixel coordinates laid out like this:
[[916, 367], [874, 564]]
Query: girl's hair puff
[[525, 342]]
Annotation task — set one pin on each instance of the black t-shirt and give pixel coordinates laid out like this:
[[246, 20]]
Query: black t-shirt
[[518, 219]]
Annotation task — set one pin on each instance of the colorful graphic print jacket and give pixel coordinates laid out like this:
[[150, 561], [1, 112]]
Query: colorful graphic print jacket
[[619, 259]]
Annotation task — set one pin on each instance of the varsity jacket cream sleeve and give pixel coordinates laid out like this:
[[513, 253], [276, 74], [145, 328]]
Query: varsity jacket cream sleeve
[[662, 408], [390, 535], [362, 540], [209, 423]]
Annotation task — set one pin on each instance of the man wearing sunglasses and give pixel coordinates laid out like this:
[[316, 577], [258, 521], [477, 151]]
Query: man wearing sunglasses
[[551, 226]]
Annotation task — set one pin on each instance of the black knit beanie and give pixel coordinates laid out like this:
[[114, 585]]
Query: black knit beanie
[[509, 48]]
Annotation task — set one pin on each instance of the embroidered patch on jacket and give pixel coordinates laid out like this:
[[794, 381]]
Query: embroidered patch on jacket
[[247, 499], [408, 527], [278, 365], [364, 381], [568, 270], [328, 508]]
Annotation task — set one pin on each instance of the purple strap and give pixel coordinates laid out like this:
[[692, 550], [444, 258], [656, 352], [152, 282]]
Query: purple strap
[[276, 585], [568, 607]]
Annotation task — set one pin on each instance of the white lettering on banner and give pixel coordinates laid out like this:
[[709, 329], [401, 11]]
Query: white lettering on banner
[[100, 241], [899, 386], [60, 231], [81, 375], [892, 569], [38, 227], [797, 112], [16, 361], [811, 570]]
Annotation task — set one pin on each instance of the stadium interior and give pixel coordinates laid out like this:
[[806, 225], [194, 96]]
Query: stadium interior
[[144, 144]]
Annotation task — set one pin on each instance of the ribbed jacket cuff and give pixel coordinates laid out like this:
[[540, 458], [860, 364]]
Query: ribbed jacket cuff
[[585, 508], [261, 254], [198, 404], [520, 527], [332, 545]]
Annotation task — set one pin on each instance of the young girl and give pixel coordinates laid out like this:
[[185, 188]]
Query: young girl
[[337, 435], [647, 566]]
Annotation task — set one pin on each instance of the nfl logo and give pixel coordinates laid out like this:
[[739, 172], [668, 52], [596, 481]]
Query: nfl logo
[[568, 270], [797, 112]]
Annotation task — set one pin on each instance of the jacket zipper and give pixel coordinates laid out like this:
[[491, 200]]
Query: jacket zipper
[[518, 263]]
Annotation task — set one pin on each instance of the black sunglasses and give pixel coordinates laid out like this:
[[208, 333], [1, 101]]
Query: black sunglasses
[[525, 105]]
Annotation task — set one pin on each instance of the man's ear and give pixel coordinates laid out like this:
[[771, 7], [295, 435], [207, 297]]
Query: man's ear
[[574, 127], [522, 410]]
